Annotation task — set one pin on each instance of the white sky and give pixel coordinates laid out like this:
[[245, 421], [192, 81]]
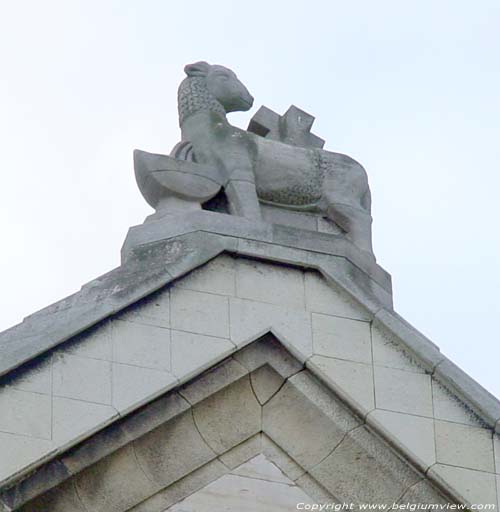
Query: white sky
[[408, 88]]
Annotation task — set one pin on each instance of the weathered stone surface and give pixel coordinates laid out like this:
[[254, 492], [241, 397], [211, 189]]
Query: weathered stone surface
[[465, 446], [261, 468], [172, 450], [422, 493], [281, 459], [153, 310], [389, 351], [352, 381], [414, 397], [19, 452], [268, 350], [182, 488], [102, 487], [74, 419], [250, 320], [199, 312], [242, 452], [475, 487], [62, 499], [274, 284], [141, 345], [329, 299], [245, 494], [265, 383], [342, 338], [213, 380], [304, 420], [25, 413], [134, 386], [414, 435], [82, 378], [229, 416], [192, 353], [481, 402], [449, 408], [218, 276], [380, 476]]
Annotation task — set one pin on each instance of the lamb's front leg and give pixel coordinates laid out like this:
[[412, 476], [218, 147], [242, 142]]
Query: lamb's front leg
[[242, 196]]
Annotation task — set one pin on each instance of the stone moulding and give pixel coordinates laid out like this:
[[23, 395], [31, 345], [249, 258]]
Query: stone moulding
[[235, 410], [150, 266]]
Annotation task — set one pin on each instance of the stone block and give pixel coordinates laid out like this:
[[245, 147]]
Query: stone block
[[242, 452], [305, 420], [25, 413], [475, 487], [232, 492], [172, 451], [423, 493], [63, 498], [142, 345], [251, 320], [481, 401], [182, 488], [260, 467], [352, 381], [380, 476], [329, 299], [317, 492], [229, 416], [327, 226], [213, 380], [281, 459], [341, 338], [414, 435], [192, 353], [134, 386], [289, 218], [199, 312], [19, 452], [464, 446], [81, 378], [416, 343], [402, 391], [265, 383], [102, 487], [389, 351], [36, 378], [73, 419], [95, 343], [268, 350], [152, 310], [449, 407], [218, 276], [271, 283]]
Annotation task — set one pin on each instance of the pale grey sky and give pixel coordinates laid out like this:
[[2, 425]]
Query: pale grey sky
[[408, 88]]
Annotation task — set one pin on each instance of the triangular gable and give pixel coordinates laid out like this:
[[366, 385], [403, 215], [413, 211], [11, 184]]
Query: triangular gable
[[260, 401], [176, 333]]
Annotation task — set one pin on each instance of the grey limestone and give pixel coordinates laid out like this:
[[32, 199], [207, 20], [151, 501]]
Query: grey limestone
[[307, 428], [265, 383], [381, 477], [474, 395], [229, 416]]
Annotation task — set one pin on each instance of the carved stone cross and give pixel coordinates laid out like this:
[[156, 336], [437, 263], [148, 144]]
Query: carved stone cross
[[293, 127]]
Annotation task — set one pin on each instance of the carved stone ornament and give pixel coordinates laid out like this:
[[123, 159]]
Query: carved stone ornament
[[277, 162]]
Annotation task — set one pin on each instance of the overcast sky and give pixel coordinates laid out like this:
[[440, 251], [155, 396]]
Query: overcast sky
[[408, 88]]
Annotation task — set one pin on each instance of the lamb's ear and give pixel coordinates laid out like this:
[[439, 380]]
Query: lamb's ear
[[197, 69]]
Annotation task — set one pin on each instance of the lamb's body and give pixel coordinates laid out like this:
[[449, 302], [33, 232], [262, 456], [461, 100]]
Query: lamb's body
[[274, 172]]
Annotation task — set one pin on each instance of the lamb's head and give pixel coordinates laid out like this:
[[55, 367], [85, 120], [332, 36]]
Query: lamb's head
[[213, 82]]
